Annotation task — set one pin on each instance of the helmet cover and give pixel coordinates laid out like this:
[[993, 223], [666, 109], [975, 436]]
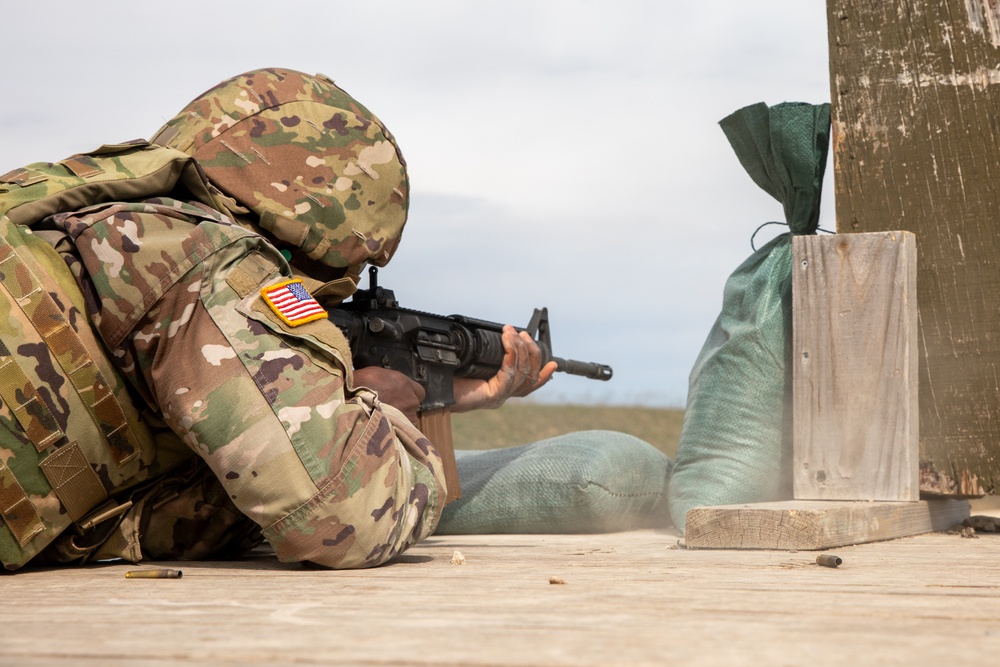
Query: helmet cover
[[321, 171]]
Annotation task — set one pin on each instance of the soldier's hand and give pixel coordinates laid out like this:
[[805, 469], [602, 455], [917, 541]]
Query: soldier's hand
[[521, 373], [393, 388]]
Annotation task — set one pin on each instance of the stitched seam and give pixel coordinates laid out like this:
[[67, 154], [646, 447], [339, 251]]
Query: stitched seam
[[621, 495]]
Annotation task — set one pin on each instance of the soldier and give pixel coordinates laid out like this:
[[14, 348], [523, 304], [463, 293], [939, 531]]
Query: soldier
[[336, 200], [208, 325], [329, 184]]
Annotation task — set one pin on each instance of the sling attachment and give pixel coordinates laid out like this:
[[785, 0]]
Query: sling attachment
[[91, 535], [334, 292], [106, 512]]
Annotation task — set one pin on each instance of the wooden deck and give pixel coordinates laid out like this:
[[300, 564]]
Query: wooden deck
[[628, 599]]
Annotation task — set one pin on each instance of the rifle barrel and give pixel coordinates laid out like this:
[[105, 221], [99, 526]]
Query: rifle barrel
[[584, 368]]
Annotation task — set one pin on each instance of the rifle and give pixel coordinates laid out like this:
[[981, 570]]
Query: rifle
[[434, 350]]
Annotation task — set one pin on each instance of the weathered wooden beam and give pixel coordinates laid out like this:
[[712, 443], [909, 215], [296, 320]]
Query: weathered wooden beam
[[816, 524], [916, 145], [855, 411]]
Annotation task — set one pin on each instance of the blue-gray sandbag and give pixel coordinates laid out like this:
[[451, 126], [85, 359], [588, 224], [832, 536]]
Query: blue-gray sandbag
[[584, 482]]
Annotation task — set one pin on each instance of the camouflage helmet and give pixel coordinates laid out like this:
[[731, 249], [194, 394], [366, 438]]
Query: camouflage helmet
[[321, 171]]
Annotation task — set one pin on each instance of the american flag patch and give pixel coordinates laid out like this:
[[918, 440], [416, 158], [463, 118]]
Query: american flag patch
[[293, 304]]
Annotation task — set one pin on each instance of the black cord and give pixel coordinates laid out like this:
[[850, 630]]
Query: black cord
[[754, 235]]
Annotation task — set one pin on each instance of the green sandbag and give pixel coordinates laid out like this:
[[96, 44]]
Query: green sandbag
[[585, 482], [735, 444]]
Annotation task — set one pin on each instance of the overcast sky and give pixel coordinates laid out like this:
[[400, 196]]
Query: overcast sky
[[562, 153]]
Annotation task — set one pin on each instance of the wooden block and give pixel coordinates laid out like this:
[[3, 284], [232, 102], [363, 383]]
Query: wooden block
[[817, 524], [854, 346]]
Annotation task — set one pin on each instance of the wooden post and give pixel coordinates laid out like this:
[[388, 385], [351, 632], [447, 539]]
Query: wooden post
[[916, 146], [854, 369]]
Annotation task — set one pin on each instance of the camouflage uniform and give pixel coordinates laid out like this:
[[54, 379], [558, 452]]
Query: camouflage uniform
[[174, 290]]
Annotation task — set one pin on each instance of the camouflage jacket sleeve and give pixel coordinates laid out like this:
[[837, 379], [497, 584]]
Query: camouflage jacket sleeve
[[332, 476]]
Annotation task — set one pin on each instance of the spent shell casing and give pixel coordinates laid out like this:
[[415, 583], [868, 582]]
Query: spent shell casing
[[153, 574], [828, 560]]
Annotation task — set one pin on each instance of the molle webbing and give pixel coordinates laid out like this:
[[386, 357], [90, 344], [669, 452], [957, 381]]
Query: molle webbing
[[64, 344], [94, 433], [16, 509], [21, 397]]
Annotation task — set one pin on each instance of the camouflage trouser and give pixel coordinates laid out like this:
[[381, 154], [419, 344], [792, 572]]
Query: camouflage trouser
[[185, 514], [330, 475], [188, 516]]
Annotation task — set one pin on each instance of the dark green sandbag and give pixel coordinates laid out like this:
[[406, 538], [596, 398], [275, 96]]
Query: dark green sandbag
[[735, 444], [586, 482]]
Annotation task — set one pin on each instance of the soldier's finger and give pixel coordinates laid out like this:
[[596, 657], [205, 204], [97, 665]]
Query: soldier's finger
[[506, 380], [534, 356], [543, 377], [523, 361], [418, 390]]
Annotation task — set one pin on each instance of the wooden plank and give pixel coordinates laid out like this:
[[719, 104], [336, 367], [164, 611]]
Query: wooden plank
[[816, 524], [916, 146], [629, 599], [854, 323]]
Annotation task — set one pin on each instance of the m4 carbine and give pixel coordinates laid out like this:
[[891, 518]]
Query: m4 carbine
[[434, 350]]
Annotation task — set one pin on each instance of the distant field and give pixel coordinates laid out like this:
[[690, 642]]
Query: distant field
[[521, 422]]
